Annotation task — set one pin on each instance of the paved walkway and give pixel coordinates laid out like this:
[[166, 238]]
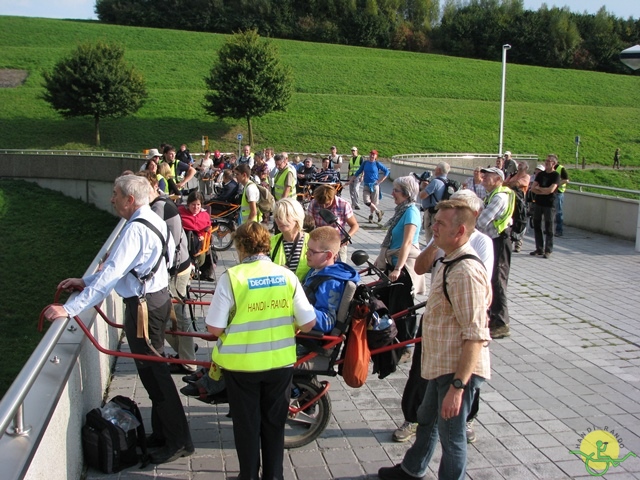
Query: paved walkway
[[571, 365]]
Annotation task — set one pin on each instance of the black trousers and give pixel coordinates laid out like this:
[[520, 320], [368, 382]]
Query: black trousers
[[416, 386], [260, 406], [498, 311], [168, 419], [544, 239]]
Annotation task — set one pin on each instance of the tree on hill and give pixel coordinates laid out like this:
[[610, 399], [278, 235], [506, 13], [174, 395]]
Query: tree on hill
[[95, 81], [248, 80]]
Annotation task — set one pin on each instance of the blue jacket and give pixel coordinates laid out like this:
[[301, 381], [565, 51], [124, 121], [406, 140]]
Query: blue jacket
[[326, 296], [371, 171]]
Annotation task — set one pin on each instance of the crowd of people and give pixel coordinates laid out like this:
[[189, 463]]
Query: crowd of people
[[301, 272]]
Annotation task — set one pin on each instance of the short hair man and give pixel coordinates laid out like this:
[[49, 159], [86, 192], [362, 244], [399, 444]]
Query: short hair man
[[455, 359], [328, 174], [246, 157], [431, 193], [495, 221], [335, 159], [324, 197], [249, 211], [325, 282], [139, 251], [370, 170], [544, 188], [182, 171], [284, 182], [230, 188]]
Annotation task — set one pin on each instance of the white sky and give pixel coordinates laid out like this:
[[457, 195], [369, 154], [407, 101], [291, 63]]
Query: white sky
[[83, 9]]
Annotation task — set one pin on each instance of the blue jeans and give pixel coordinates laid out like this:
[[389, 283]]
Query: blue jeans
[[452, 432], [559, 202]]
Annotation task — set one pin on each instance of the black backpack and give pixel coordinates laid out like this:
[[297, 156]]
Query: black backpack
[[519, 214], [107, 447], [450, 187]]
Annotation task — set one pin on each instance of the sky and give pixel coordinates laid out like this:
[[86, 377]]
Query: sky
[[83, 9]]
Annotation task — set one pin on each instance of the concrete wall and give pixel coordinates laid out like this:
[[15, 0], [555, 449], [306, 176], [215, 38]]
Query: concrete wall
[[613, 216]]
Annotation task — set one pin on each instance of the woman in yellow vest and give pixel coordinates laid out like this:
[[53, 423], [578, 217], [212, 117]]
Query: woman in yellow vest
[[255, 311], [289, 248]]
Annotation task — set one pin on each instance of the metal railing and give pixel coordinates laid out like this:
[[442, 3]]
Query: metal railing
[[20, 430], [72, 153]]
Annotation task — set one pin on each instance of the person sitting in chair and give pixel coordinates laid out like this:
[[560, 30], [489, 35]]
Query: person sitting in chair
[[197, 223], [325, 282], [230, 188]]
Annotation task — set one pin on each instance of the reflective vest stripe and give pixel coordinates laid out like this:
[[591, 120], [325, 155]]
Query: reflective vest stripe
[[257, 347], [502, 222], [259, 325]]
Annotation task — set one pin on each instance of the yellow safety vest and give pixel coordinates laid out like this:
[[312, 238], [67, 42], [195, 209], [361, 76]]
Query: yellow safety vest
[[245, 210], [166, 183], [261, 334], [279, 184], [563, 187], [280, 258], [354, 164], [501, 223]]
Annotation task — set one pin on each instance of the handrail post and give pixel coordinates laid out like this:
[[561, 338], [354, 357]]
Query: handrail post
[[638, 230], [19, 429]]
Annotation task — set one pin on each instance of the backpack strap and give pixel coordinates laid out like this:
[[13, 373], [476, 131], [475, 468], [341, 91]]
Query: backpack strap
[[164, 254], [448, 265]]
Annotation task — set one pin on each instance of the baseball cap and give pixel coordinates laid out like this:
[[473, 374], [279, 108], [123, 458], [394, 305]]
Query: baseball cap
[[333, 147], [354, 149], [540, 167], [507, 153], [495, 170], [217, 153], [373, 152]]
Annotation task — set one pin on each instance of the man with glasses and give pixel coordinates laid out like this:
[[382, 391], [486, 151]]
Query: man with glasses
[[325, 282]]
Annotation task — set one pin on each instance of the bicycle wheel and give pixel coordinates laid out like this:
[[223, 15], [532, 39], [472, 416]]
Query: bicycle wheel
[[222, 236], [304, 427]]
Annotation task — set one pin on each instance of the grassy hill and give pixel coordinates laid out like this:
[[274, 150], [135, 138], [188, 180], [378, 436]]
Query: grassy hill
[[397, 102]]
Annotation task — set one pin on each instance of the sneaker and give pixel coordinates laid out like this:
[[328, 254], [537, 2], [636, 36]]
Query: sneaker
[[371, 218], [405, 432], [500, 332], [471, 435], [546, 254], [536, 252], [380, 215], [356, 207], [396, 473]]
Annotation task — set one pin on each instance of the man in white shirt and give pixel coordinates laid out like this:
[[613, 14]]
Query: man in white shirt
[[138, 263]]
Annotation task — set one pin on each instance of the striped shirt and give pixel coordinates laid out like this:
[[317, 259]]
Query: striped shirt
[[445, 326]]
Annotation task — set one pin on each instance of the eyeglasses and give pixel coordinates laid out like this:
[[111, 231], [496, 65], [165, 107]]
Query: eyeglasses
[[315, 252]]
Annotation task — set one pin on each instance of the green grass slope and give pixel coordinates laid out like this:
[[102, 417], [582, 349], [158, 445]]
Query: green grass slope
[[397, 102], [46, 237]]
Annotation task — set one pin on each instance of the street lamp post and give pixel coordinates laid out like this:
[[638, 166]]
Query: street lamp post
[[504, 78], [631, 58]]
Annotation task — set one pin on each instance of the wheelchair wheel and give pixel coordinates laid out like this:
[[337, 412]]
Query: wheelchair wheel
[[222, 237], [304, 427]]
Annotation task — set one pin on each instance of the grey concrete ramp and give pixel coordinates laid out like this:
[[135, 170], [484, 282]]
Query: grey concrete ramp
[[570, 368]]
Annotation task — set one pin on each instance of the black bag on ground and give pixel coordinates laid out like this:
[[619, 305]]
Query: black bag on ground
[[107, 446]]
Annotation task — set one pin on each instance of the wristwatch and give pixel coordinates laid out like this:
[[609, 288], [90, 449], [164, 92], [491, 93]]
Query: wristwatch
[[457, 383]]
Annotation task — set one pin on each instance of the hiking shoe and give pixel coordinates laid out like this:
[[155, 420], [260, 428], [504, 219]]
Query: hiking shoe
[[380, 215], [546, 254], [471, 435], [396, 473], [500, 332], [371, 218], [536, 252], [405, 432]]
